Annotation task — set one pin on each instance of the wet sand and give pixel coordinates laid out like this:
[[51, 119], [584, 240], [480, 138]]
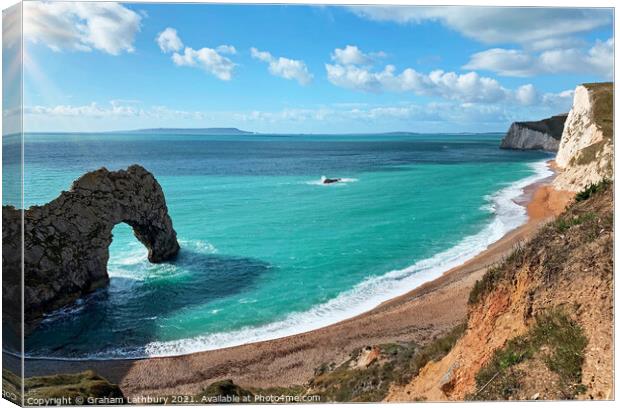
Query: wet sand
[[420, 315]]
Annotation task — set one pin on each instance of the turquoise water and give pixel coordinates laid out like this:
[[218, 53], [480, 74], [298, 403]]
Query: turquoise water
[[266, 249]]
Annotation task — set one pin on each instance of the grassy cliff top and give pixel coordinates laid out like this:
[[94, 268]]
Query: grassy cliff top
[[602, 94], [552, 126]]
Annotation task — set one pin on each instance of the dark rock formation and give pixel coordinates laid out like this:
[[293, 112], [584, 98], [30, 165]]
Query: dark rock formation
[[539, 135], [326, 180], [66, 240]]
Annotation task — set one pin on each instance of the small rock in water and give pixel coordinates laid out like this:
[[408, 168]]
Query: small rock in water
[[326, 180]]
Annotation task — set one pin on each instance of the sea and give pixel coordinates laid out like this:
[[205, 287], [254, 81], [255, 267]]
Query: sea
[[267, 250]]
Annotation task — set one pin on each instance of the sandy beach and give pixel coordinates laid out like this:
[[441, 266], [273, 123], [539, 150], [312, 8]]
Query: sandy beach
[[420, 315]]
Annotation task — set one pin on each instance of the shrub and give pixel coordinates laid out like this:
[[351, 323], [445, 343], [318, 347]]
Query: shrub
[[436, 349], [489, 280], [565, 341], [592, 189]]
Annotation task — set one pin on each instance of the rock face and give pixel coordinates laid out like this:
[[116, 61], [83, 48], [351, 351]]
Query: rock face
[[66, 240], [585, 155], [540, 135]]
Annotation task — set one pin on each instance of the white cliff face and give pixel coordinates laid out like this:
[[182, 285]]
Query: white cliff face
[[523, 138], [585, 155], [579, 130], [542, 134]]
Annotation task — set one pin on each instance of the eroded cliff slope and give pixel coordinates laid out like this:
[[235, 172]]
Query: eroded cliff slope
[[585, 155], [540, 324]]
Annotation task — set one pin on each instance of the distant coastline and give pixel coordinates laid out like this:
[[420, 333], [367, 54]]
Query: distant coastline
[[240, 132]]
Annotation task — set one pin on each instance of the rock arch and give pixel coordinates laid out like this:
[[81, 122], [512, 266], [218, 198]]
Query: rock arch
[[66, 241]]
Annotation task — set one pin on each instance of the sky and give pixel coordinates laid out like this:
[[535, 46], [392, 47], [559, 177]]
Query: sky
[[305, 69]]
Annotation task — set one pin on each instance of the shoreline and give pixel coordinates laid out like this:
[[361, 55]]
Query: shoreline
[[430, 309], [507, 205]]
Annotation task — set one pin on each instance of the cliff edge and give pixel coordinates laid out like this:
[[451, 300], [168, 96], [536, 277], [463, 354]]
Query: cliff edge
[[66, 240], [540, 323], [536, 135], [585, 155]]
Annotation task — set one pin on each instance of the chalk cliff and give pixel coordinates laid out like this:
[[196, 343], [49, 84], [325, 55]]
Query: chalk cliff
[[66, 240], [537, 135], [585, 155]]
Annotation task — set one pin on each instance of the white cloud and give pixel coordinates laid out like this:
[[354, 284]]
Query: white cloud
[[11, 27], [526, 95], [113, 110], [337, 117], [351, 55], [502, 61], [209, 59], [261, 55], [169, 41], [468, 87], [405, 116], [284, 67], [550, 43], [81, 26], [561, 101], [226, 49], [598, 60], [498, 24]]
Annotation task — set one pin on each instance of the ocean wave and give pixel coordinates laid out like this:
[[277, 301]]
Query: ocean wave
[[132, 261], [67, 312], [132, 264], [363, 297]]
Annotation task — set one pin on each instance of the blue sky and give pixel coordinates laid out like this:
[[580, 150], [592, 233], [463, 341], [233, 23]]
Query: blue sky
[[111, 66]]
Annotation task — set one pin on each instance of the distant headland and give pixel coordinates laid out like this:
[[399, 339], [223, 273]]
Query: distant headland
[[194, 131]]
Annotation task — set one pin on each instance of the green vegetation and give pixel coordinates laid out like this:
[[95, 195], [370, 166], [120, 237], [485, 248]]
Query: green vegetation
[[437, 349], [562, 224], [11, 386], [588, 154], [602, 106], [68, 386], [397, 364], [496, 273], [490, 279], [579, 214], [601, 95], [554, 338], [592, 189], [347, 384]]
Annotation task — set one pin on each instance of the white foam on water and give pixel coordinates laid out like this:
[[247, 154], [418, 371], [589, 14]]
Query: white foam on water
[[132, 262], [320, 182], [366, 295]]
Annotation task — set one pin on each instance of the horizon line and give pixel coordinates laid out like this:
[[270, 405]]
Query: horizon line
[[248, 133]]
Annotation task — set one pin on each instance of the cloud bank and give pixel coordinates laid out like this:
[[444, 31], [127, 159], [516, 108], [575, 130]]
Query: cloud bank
[[598, 60], [533, 27], [106, 27], [467, 87]]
